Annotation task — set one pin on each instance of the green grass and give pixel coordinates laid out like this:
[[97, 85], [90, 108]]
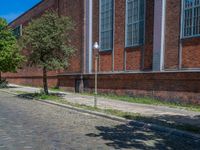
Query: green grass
[[56, 89], [20, 92], [128, 115], [149, 101], [45, 97]]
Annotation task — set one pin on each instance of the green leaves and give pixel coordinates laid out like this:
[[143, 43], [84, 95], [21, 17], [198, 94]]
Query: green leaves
[[48, 41], [10, 58]]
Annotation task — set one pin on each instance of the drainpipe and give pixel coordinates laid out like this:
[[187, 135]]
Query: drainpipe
[[58, 7], [88, 35]]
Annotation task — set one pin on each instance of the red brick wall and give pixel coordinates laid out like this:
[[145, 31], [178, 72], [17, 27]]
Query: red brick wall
[[33, 81], [105, 61], [75, 10], [65, 8], [24, 19], [148, 47], [183, 86], [106, 58], [119, 34], [31, 76], [135, 55], [140, 58], [30, 71], [191, 53], [169, 86], [172, 33], [133, 59]]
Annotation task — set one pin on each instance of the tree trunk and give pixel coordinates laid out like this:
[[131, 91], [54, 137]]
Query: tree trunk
[[45, 83], [0, 76]]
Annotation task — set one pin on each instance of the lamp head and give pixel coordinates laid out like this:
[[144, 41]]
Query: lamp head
[[96, 46]]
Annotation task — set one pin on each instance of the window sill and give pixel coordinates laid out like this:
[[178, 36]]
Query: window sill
[[190, 37], [105, 51], [191, 41], [138, 47]]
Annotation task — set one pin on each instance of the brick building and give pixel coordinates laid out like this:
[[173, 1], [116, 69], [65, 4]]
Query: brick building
[[147, 47]]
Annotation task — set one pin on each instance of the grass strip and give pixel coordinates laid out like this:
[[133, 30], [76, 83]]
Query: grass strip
[[149, 101]]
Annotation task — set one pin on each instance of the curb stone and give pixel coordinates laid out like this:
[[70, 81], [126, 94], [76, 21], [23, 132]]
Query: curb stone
[[139, 124]]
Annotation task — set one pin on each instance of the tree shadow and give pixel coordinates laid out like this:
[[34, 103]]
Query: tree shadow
[[186, 123], [130, 136], [11, 87], [41, 96]]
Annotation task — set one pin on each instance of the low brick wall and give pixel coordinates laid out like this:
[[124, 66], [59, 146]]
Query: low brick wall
[[170, 86], [35, 81]]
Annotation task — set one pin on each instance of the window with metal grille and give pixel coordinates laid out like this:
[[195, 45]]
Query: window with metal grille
[[18, 31], [134, 22], [106, 24], [191, 18]]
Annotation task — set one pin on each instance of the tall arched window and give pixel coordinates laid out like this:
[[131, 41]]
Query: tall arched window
[[135, 22], [191, 18], [106, 24], [17, 31]]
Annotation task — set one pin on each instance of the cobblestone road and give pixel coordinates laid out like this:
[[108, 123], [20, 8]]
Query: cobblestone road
[[28, 124]]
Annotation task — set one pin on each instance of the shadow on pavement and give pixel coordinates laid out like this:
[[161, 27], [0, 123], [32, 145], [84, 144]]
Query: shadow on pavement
[[8, 87], [41, 96], [127, 136], [187, 123]]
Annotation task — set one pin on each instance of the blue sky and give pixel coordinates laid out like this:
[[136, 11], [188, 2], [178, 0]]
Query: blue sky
[[11, 9]]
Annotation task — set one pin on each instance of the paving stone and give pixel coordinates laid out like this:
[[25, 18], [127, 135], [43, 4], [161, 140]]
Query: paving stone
[[28, 124]]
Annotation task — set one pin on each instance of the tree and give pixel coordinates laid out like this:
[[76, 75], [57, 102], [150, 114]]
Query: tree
[[10, 57], [48, 40]]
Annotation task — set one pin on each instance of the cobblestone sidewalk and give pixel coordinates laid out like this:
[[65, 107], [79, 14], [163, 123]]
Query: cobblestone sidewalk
[[158, 112]]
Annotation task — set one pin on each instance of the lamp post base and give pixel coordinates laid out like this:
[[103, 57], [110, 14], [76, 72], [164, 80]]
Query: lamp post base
[[95, 101]]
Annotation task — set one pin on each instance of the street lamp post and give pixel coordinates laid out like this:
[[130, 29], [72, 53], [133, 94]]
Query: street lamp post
[[96, 47]]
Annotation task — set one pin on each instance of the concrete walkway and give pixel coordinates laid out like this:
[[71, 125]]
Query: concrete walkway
[[164, 113]]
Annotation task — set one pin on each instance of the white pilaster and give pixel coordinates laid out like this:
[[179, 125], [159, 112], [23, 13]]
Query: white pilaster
[[88, 35], [159, 35]]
